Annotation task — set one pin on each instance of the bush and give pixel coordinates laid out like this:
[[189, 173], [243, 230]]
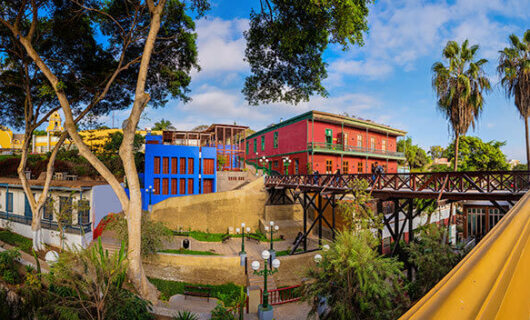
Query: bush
[[186, 315], [16, 240], [153, 233], [227, 293], [8, 266]]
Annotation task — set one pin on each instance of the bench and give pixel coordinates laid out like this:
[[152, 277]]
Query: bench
[[198, 291]]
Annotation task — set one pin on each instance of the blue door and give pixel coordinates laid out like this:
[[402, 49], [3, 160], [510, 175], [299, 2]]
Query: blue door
[[27, 208]]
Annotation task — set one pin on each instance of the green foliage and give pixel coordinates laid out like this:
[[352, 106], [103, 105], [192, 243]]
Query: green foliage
[[89, 283], [8, 266], [221, 161], [224, 292], [286, 41], [16, 240], [186, 315], [220, 312], [476, 155], [161, 125], [357, 212], [192, 252], [436, 152], [153, 233], [416, 157], [432, 256], [520, 167], [357, 282]]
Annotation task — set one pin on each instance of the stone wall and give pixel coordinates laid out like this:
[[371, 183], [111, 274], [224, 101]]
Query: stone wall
[[293, 268], [214, 212], [213, 270], [230, 180]]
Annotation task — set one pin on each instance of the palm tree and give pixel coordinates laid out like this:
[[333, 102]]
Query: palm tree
[[514, 68], [459, 87]]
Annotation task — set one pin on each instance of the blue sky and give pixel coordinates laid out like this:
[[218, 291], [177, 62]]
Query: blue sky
[[388, 80]]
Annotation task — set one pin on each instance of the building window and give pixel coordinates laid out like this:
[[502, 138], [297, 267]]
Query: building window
[[182, 165], [157, 164], [65, 209], [345, 166], [83, 211], [296, 166], [190, 165], [165, 165], [329, 137], [372, 143], [207, 185], [329, 166], [174, 165], [209, 166], [275, 163], [255, 145], [156, 186], [276, 139], [383, 145], [174, 186], [165, 186], [262, 143], [190, 186], [360, 167], [182, 186], [9, 202], [47, 212], [359, 141], [247, 147]]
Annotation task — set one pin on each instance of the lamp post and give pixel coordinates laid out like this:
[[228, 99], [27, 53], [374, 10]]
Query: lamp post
[[242, 253], [273, 229], [149, 191], [265, 163], [265, 311], [286, 163]]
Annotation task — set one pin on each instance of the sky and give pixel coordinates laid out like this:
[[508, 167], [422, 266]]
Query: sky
[[388, 80]]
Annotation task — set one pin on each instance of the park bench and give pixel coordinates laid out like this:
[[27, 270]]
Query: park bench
[[198, 291]]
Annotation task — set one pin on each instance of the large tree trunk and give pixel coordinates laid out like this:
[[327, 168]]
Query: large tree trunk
[[457, 140], [527, 143]]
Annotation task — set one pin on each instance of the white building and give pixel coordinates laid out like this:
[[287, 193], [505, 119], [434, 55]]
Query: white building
[[87, 202]]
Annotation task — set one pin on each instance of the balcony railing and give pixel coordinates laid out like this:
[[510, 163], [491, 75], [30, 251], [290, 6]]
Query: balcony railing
[[348, 148], [47, 223]]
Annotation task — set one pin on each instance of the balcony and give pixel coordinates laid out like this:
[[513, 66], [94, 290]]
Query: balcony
[[354, 150], [47, 223]]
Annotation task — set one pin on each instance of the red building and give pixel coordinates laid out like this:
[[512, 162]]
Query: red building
[[324, 142]]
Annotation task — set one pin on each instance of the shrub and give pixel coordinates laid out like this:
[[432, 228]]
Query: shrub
[[186, 315], [153, 233], [16, 240], [8, 266]]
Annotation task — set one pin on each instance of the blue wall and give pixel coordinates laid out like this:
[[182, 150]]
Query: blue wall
[[173, 151]]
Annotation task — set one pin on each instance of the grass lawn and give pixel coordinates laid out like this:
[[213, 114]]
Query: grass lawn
[[218, 237], [186, 251], [286, 252], [16, 240], [224, 292]]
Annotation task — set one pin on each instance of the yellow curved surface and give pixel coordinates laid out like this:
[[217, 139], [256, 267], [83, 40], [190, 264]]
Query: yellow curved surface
[[492, 281]]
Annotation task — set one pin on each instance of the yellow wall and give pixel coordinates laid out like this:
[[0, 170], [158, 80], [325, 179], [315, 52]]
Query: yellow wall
[[196, 269], [214, 212], [293, 269]]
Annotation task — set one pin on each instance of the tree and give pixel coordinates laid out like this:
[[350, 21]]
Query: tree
[[459, 87], [154, 50], [356, 281], [161, 125], [436, 152], [201, 127], [514, 68], [477, 155], [432, 257], [286, 40], [416, 157]]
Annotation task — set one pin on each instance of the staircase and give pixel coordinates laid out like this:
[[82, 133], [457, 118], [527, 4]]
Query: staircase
[[287, 217]]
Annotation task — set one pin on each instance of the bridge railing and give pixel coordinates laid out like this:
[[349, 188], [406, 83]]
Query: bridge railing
[[478, 181]]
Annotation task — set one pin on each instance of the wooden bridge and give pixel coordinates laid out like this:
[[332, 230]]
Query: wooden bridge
[[320, 191]]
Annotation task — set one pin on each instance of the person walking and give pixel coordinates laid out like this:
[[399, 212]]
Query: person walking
[[374, 166]]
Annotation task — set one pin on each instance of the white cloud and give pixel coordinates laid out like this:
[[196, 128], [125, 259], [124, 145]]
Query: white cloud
[[370, 68], [221, 46]]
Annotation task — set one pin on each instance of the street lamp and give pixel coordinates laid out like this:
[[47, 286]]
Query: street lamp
[[265, 163], [286, 163], [265, 311], [149, 191], [242, 253], [273, 229]]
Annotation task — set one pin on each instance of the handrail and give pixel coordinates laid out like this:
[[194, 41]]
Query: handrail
[[47, 223], [282, 295], [350, 148]]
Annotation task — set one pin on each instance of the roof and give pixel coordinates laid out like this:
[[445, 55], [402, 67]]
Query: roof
[[334, 118], [56, 183]]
